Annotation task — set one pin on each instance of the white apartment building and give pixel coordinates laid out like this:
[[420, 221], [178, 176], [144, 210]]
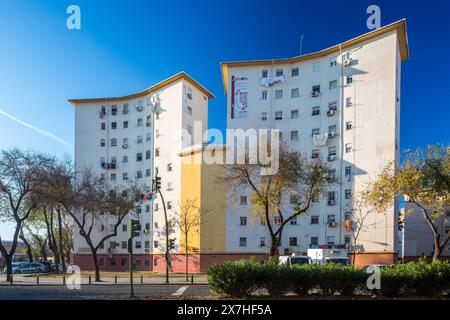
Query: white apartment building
[[122, 140], [341, 104]]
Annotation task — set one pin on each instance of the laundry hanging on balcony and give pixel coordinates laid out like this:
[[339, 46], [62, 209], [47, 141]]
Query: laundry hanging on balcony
[[320, 140], [267, 82], [101, 114]]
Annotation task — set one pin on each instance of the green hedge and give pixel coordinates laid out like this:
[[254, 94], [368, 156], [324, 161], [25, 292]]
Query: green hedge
[[242, 278]]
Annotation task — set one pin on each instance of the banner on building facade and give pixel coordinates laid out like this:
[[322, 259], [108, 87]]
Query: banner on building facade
[[239, 97]]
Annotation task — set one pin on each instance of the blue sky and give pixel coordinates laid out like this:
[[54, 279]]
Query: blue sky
[[125, 46]]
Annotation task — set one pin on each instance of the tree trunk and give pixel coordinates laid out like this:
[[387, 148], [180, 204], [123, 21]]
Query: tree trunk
[[60, 238], [9, 275], [27, 244], [187, 260], [96, 266]]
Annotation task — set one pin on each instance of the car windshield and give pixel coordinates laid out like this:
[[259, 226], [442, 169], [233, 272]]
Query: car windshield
[[299, 260], [337, 260]]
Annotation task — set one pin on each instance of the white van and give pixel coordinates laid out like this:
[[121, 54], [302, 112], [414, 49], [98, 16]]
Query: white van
[[294, 260]]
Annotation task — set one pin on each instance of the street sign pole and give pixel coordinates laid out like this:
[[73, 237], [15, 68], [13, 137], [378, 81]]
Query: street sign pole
[[130, 263]]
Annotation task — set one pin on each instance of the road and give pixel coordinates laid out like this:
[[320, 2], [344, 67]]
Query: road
[[98, 291]]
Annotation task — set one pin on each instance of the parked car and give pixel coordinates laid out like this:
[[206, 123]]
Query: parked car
[[33, 267], [337, 260], [294, 260], [14, 265], [50, 266], [371, 268]]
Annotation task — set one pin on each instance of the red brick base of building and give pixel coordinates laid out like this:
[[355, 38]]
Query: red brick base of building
[[157, 262]]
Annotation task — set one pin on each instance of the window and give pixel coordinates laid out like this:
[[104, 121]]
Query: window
[[264, 95], [262, 242], [125, 176], [189, 110], [279, 73], [316, 67], [189, 129], [264, 73], [348, 147], [294, 114], [332, 174], [169, 205], [169, 167], [348, 125], [294, 135], [101, 261], [332, 151], [169, 186], [103, 126], [293, 222], [331, 219], [124, 142], [156, 209], [139, 156], [125, 159], [295, 93], [314, 241], [139, 139], [348, 101], [294, 72], [125, 108], [279, 115], [277, 220], [293, 241], [263, 116], [138, 245], [113, 160], [347, 239], [148, 136], [139, 174], [262, 221], [147, 154], [147, 172], [279, 94], [243, 221], [315, 91], [155, 244], [147, 209], [315, 131], [125, 124], [348, 194], [124, 244], [348, 216], [243, 200], [315, 110], [332, 129], [157, 152], [332, 106], [314, 219], [102, 142], [349, 80], [333, 61], [114, 110], [139, 122], [332, 85], [242, 242], [348, 170], [331, 196], [124, 227], [330, 240], [113, 142], [315, 154], [113, 125], [147, 244]]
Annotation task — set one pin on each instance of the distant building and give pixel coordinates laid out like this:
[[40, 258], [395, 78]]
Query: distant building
[[19, 255]]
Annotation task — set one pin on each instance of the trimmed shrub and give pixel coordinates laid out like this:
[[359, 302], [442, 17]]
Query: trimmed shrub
[[276, 279], [236, 278], [304, 277]]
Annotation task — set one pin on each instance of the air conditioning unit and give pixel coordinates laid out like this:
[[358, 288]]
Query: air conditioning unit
[[331, 202], [332, 224], [146, 231], [332, 134], [330, 112], [315, 93], [316, 112], [331, 158], [125, 145], [347, 62], [139, 108]]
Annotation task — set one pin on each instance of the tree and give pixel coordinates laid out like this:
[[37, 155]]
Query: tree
[[189, 221], [20, 173], [298, 182], [424, 179], [90, 203], [360, 210]]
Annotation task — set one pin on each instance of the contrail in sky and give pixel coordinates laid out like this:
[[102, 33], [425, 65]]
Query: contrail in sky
[[43, 132]]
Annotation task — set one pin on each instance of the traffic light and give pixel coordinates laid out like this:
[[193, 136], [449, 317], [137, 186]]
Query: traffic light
[[157, 183], [134, 228], [171, 244]]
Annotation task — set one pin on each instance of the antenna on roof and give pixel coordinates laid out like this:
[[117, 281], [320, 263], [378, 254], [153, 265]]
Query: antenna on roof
[[301, 44]]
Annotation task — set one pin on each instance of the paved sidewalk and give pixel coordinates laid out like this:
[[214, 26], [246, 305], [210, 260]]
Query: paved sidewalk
[[52, 280]]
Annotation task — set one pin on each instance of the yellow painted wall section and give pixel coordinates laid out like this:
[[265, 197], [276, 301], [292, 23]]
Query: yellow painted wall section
[[190, 191], [199, 182]]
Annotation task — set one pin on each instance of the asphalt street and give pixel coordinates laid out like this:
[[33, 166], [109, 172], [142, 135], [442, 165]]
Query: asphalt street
[[98, 291]]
